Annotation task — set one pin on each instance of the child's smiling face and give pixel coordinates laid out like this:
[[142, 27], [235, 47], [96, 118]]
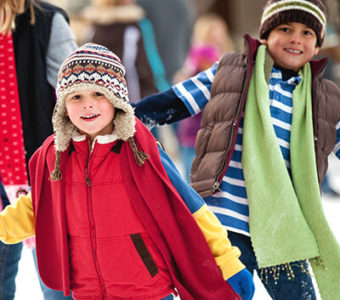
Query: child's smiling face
[[90, 112], [292, 45]]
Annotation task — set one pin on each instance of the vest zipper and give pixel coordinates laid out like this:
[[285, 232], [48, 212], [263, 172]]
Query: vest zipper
[[93, 237], [226, 161], [235, 125]]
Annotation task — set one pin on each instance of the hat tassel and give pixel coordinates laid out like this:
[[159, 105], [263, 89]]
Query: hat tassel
[[56, 173], [140, 156]]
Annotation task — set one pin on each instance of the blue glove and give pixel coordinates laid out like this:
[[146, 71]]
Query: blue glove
[[243, 284]]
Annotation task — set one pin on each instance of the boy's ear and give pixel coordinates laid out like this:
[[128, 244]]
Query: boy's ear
[[263, 42], [316, 50], [66, 113]]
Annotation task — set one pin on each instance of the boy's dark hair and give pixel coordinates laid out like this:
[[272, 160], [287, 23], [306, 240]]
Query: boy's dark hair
[[309, 12]]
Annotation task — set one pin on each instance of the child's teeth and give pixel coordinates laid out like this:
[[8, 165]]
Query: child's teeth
[[294, 51], [89, 117]]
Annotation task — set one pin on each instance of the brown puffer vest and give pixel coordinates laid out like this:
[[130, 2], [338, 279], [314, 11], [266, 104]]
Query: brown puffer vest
[[216, 139]]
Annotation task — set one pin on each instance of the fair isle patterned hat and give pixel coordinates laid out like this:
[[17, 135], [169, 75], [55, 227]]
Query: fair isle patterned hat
[[309, 12], [94, 67]]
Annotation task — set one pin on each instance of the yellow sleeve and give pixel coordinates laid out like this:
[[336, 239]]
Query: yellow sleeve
[[17, 221], [226, 255]]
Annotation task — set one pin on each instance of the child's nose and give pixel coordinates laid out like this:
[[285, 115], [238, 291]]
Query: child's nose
[[296, 37], [87, 103]]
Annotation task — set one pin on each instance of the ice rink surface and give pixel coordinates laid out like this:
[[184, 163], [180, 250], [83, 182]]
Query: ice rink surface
[[28, 285]]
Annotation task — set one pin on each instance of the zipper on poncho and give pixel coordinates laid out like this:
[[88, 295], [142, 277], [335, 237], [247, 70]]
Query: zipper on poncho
[[93, 237]]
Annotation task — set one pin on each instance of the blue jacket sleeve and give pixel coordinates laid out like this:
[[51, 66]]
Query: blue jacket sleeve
[[226, 256], [191, 198], [162, 108]]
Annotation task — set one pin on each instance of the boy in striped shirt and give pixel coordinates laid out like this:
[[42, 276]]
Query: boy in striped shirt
[[269, 123]]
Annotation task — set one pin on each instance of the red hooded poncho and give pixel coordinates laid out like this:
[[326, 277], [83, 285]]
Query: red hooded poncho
[[166, 218]]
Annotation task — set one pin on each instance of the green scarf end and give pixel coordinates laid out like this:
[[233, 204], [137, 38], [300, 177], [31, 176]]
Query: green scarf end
[[286, 219]]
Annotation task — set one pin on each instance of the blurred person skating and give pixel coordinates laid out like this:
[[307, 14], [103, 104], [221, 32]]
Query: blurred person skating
[[34, 39], [209, 30], [210, 40], [110, 207], [269, 123], [173, 23], [121, 26]]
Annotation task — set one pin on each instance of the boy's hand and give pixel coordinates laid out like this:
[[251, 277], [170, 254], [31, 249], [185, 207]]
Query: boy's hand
[[243, 284]]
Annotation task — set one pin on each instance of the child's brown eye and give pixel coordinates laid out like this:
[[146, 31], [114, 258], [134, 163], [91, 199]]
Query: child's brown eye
[[97, 94], [74, 97], [285, 29]]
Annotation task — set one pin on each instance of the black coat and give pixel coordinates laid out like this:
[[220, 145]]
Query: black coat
[[37, 97]]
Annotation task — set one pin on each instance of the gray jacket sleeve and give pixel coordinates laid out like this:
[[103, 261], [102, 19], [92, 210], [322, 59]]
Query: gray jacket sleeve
[[62, 43]]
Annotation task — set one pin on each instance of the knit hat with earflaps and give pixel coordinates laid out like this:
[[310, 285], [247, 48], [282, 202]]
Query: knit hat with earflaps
[[309, 12], [93, 67]]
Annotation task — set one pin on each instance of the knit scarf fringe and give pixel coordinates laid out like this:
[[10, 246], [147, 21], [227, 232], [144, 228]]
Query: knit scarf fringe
[[276, 271]]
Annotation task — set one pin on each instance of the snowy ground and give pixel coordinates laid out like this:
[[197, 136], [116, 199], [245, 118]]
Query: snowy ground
[[28, 285]]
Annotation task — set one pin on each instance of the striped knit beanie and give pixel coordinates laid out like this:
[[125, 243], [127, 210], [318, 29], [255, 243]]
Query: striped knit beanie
[[93, 67], [309, 12]]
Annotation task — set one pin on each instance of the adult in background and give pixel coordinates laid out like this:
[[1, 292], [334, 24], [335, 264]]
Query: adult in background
[[34, 39], [173, 22], [210, 40], [121, 26]]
